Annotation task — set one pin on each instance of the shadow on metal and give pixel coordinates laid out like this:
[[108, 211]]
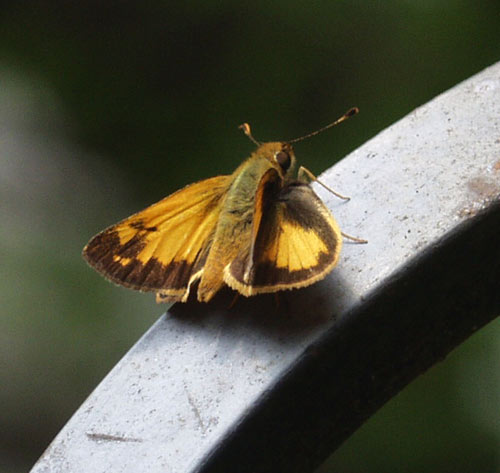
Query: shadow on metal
[[400, 330]]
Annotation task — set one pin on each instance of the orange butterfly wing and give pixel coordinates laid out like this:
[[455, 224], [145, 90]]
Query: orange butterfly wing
[[297, 243], [162, 248]]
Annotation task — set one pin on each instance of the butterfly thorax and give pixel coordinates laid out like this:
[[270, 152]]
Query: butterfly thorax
[[238, 222]]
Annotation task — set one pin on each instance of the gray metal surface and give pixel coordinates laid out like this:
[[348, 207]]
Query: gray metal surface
[[265, 388]]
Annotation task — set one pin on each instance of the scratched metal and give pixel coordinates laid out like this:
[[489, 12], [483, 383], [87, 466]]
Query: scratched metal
[[200, 368]]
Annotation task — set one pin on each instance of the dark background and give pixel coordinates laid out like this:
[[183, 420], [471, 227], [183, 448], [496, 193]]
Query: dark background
[[106, 107]]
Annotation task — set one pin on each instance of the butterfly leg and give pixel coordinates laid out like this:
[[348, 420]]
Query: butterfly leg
[[233, 302], [304, 175], [354, 239]]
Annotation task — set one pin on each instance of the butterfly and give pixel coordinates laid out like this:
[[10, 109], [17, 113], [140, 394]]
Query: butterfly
[[261, 229]]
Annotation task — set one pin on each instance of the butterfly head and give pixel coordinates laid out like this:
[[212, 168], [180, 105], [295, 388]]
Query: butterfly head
[[281, 157]]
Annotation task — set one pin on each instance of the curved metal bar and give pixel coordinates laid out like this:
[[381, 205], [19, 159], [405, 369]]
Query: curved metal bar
[[262, 388]]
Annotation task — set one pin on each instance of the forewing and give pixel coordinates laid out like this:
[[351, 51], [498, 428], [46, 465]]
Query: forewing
[[298, 243], [163, 247]]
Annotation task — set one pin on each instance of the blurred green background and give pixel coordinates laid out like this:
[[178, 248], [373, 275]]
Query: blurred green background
[[106, 107]]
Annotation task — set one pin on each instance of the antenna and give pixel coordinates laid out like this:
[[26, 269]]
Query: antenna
[[246, 129], [353, 111], [348, 114]]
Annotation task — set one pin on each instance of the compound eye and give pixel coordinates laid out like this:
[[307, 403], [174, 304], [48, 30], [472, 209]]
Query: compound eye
[[283, 159]]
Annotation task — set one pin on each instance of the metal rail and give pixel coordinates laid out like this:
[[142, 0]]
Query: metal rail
[[259, 388]]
